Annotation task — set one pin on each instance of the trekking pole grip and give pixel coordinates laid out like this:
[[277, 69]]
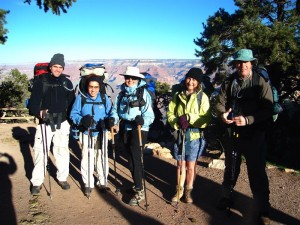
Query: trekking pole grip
[[112, 135], [140, 134]]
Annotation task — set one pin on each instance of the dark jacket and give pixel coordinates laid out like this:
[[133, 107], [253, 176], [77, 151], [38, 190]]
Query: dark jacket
[[254, 100], [53, 93]]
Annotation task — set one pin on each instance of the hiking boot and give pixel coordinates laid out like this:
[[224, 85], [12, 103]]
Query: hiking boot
[[224, 203], [87, 190], [35, 190], [137, 198], [102, 188], [188, 194], [264, 219], [131, 191], [64, 185], [178, 194]]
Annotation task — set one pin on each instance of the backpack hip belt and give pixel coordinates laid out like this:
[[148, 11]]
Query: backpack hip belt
[[51, 117]]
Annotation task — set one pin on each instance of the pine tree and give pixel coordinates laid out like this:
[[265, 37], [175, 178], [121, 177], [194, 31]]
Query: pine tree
[[270, 28]]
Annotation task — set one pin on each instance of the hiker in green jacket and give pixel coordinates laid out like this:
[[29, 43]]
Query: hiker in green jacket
[[187, 117]]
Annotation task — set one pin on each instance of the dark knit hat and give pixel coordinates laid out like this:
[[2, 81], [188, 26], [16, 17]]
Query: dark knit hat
[[195, 73], [57, 59], [93, 78]]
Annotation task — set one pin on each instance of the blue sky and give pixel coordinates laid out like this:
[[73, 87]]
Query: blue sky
[[107, 29]]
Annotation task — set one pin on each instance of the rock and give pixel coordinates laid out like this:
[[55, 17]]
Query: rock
[[289, 170], [222, 156], [157, 150], [217, 164]]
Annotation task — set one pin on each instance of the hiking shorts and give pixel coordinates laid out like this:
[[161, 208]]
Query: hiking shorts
[[193, 150]]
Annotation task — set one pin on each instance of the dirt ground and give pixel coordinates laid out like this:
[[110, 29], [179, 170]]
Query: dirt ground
[[17, 206]]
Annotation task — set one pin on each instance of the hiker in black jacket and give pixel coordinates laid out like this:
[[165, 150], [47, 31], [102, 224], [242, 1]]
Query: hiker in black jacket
[[51, 100]]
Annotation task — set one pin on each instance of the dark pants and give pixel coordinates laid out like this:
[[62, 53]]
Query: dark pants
[[253, 147], [134, 151]]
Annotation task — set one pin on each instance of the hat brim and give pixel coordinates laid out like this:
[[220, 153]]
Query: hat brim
[[133, 75], [231, 63]]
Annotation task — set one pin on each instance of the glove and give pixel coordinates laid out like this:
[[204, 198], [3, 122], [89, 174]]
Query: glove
[[110, 122], [183, 122], [139, 120], [86, 121], [101, 125]]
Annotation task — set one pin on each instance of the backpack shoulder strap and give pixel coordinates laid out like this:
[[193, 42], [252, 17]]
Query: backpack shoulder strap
[[45, 84], [140, 95], [199, 98], [103, 98], [120, 97], [255, 78]]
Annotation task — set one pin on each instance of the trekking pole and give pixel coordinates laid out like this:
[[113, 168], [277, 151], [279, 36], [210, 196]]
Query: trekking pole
[[45, 147], [142, 164], [89, 163], [233, 169], [104, 159], [181, 167], [114, 158]]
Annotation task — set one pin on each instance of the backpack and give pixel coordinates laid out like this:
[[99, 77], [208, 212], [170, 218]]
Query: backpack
[[262, 72], [88, 69], [39, 69], [151, 86], [277, 108]]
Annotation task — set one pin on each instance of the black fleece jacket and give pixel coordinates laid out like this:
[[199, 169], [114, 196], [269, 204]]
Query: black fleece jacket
[[53, 93]]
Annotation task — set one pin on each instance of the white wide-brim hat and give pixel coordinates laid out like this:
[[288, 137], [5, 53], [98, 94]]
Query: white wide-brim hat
[[132, 71]]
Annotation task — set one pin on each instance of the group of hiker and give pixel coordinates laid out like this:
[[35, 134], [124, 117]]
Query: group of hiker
[[244, 108]]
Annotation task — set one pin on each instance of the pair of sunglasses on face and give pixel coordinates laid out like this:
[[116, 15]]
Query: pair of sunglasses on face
[[131, 77]]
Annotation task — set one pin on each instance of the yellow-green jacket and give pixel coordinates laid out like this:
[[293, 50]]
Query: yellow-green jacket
[[198, 117]]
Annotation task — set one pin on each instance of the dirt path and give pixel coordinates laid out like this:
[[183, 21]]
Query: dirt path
[[72, 207]]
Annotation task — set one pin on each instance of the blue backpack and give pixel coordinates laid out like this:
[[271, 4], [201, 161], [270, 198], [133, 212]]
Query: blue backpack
[[151, 86]]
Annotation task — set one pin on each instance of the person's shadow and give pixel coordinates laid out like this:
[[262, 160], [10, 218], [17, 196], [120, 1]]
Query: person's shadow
[[26, 139], [7, 210]]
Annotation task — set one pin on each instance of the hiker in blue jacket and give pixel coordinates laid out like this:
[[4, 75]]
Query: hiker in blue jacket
[[89, 113], [133, 109]]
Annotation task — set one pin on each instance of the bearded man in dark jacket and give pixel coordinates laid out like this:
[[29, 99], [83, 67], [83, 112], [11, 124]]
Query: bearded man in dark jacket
[[245, 104]]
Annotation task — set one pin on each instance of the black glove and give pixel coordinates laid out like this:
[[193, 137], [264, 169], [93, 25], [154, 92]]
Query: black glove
[[101, 125], [183, 122], [86, 121], [139, 120], [110, 122]]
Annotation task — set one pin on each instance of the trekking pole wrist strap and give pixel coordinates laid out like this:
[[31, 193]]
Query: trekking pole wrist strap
[[246, 120]]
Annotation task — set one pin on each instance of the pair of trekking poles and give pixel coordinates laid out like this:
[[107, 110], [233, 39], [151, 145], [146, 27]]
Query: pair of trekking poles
[[90, 147], [46, 152], [142, 162]]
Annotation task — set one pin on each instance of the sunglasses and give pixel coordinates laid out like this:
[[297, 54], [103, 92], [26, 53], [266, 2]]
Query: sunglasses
[[131, 77]]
